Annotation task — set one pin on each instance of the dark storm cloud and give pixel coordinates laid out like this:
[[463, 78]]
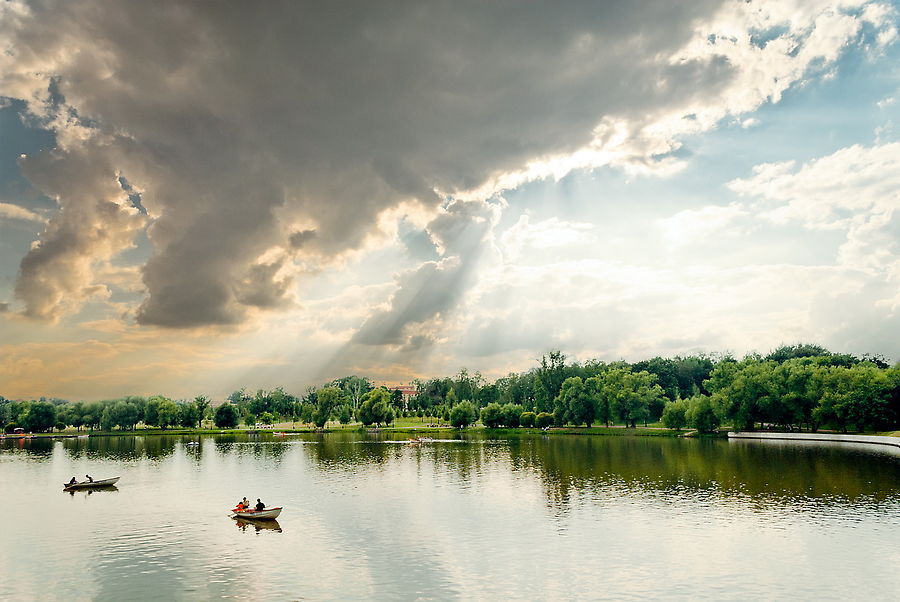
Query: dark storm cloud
[[94, 222], [242, 127]]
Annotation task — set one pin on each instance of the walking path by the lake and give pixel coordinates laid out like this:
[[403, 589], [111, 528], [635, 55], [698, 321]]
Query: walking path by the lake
[[876, 439]]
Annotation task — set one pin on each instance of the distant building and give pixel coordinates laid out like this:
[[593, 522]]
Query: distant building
[[408, 392]]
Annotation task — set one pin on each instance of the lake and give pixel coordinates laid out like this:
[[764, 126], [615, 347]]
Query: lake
[[518, 518]]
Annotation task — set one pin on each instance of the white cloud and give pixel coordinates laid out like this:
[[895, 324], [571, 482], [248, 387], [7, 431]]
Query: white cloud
[[856, 189], [692, 225], [9, 211], [551, 234], [885, 102]]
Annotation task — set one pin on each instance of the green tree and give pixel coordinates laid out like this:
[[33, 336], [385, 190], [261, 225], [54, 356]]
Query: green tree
[[859, 396], [488, 394], [593, 389], [465, 385], [151, 412], [463, 414], [169, 413], [374, 407], [492, 415], [674, 415], [527, 419], [630, 394], [543, 420], [226, 416], [702, 414], [344, 414], [201, 406], [748, 389], [119, 413], [511, 414], [188, 415], [549, 377], [92, 414], [353, 387], [575, 398], [40, 417]]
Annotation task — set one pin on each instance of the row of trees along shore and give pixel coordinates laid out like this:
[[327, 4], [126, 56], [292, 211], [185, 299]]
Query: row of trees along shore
[[797, 387]]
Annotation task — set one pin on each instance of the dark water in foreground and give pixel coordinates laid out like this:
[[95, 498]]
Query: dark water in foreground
[[538, 518]]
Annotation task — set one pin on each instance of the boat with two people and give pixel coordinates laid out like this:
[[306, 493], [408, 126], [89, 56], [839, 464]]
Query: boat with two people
[[90, 483], [258, 512]]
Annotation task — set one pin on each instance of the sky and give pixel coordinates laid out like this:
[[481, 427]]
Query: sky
[[199, 197]]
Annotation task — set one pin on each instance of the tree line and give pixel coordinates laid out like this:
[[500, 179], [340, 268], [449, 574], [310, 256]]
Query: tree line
[[794, 387]]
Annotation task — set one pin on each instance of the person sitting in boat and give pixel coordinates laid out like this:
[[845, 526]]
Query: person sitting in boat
[[73, 481], [89, 478], [240, 506], [259, 505], [246, 503]]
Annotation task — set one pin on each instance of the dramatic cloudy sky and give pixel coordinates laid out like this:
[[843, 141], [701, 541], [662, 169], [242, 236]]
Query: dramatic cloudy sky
[[200, 196]]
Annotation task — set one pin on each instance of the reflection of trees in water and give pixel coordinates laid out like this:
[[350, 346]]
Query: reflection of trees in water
[[37, 447], [120, 448], [364, 451], [258, 447], [349, 450], [760, 474]]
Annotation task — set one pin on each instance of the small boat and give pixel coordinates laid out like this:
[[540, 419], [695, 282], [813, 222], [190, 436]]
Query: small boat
[[265, 513], [421, 440], [91, 484]]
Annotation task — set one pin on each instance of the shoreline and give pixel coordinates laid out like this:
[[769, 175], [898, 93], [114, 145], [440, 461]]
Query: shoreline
[[614, 431], [828, 437]]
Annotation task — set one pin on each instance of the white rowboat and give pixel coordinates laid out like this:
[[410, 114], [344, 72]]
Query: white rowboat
[[267, 513], [91, 484]]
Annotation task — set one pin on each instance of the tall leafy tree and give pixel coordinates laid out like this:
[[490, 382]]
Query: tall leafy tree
[[226, 416], [327, 401], [169, 413], [578, 403], [40, 417], [549, 377]]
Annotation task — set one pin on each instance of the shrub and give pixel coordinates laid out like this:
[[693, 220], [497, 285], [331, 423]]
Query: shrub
[[492, 415], [511, 413], [463, 414], [527, 419], [543, 420]]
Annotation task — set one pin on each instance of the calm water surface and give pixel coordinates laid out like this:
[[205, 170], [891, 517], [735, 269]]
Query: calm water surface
[[538, 518]]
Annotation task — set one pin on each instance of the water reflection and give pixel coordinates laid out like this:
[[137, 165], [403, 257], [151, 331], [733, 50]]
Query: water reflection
[[763, 474], [371, 516], [87, 492], [124, 447], [568, 468], [257, 525]]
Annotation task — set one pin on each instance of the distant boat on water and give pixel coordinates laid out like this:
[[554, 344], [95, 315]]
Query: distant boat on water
[[91, 484]]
